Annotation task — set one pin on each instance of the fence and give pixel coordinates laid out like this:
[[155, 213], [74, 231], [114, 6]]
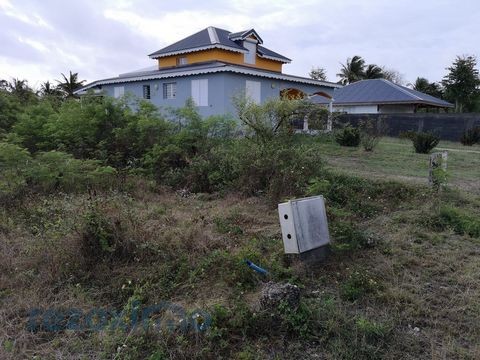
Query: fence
[[447, 126]]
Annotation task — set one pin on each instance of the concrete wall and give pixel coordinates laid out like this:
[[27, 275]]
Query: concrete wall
[[375, 109], [357, 109], [222, 87], [447, 126], [397, 109]]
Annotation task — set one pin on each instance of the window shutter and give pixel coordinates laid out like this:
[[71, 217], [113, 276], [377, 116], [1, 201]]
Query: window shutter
[[200, 92], [252, 91]]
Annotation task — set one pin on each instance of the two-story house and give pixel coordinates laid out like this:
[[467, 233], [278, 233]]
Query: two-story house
[[211, 67]]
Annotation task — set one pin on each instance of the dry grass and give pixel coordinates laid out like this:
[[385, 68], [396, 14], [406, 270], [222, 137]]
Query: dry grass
[[189, 251]]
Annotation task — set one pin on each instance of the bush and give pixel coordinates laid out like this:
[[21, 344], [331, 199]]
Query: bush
[[471, 136], [370, 133], [104, 238], [55, 170], [424, 142], [348, 136], [14, 165], [277, 169]]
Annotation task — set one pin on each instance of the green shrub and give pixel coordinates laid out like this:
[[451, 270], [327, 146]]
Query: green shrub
[[55, 170], [471, 136], [424, 142], [348, 136], [347, 236], [105, 238], [276, 169], [460, 221], [371, 132], [14, 167]]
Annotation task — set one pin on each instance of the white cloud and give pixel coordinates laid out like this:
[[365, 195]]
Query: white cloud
[[103, 39]]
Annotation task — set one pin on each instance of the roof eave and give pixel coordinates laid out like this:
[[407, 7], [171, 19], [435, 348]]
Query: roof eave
[[391, 103], [200, 48], [218, 69], [282, 60]]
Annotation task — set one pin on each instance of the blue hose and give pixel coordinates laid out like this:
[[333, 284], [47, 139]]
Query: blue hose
[[256, 268]]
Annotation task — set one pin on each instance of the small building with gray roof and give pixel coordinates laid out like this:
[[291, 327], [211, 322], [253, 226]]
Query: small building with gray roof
[[379, 96]]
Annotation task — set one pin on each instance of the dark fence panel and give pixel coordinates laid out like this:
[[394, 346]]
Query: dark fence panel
[[447, 126]]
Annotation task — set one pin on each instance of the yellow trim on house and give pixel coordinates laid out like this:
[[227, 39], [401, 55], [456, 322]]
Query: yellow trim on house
[[220, 55]]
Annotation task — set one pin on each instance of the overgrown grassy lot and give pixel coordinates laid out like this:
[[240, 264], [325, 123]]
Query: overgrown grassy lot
[[396, 159], [402, 281], [106, 210]]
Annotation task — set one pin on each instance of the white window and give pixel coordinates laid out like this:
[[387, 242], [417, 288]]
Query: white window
[[182, 61], [249, 57], [118, 91], [169, 90], [200, 92], [252, 91]]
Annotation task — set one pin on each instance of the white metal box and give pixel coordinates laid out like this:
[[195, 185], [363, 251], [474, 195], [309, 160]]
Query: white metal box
[[304, 224]]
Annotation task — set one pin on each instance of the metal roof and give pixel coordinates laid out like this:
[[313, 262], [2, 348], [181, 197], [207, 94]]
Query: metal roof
[[203, 68], [379, 91], [241, 35], [213, 37]]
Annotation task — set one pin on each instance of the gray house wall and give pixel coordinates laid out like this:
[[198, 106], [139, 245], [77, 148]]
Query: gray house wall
[[222, 87]]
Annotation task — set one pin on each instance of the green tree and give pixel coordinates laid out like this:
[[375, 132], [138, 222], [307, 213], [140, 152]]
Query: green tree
[[48, 89], [462, 83], [373, 71], [70, 84], [353, 70], [318, 73], [423, 85], [21, 90]]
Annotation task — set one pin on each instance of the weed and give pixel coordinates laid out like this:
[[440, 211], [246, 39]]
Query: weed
[[358, 284]]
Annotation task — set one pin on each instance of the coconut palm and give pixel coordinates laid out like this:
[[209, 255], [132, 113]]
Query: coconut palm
[[20, 89], [352, 71], [70, 84], [373, 71], [48, 89], [425, 86]]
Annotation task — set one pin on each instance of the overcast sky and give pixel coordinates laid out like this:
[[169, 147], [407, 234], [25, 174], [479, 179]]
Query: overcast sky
[[102, 38]]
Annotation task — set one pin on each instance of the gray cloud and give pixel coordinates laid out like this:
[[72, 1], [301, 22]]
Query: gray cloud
[[104, 38]]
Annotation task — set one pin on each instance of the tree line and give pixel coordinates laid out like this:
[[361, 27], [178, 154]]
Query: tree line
[[460, 86]]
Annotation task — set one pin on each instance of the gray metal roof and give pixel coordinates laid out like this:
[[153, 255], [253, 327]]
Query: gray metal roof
[[244, 34], [379, 91], [203, 68], [213, 37]]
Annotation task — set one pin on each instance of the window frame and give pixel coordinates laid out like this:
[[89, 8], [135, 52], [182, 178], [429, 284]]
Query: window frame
[[182, 60], [172, 94], [147, 91], [118, 91]]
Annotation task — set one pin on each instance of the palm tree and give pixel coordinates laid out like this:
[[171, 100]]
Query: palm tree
[[47, 89], [20, 89], [70, 84], [352, 71], [421, 84], [373, 72], [425, 86]]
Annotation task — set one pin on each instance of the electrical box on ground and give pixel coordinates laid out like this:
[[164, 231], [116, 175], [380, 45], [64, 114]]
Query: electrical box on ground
[[304, 224]]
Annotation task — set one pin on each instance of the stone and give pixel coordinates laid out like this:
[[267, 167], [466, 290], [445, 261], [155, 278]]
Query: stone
[[273, 294]]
